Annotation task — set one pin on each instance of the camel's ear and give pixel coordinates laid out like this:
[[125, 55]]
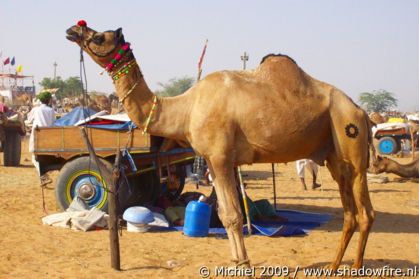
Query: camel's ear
[[379, 158], [118, 33]]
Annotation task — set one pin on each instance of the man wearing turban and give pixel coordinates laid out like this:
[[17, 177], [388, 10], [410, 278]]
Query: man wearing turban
[[41, 116]]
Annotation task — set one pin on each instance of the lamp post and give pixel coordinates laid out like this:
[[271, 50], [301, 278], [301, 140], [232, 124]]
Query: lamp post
[[55, 70], [244, 58]]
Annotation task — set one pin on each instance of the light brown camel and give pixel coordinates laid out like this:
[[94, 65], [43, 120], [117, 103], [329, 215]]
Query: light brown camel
[[384, 164], [273, 113], [377, 118], [24, 99], [103, 103], [414, 130]]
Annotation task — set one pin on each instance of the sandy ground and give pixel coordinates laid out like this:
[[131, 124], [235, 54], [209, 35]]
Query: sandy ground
[[29, 249]]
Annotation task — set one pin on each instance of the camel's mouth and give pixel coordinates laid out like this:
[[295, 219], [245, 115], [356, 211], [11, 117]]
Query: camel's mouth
[[73, 35]]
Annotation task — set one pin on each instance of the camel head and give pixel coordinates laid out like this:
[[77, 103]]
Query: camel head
[[380, 164], [101, 46]]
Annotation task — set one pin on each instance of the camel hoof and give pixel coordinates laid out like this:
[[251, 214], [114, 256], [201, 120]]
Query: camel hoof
[[235, 261], [356, 266], [331, 267], [245, 263]]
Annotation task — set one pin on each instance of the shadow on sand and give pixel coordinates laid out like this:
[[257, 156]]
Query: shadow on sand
[[384, 222]]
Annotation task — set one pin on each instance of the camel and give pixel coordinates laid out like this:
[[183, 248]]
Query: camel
[[103, 103], [384, 164], [272, 113], [414, 130], [377, 118]]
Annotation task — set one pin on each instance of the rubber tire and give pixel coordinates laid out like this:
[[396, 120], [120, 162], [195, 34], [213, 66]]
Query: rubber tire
[[12, 149], [388, 145], [68, 171]]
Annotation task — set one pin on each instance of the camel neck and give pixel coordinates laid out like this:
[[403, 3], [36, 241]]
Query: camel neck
[[408, 170], [168, 119]]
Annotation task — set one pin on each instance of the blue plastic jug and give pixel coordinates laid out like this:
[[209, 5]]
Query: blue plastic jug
[[197, 219]]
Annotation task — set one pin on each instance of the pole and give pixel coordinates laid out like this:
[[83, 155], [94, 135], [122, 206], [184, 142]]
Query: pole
[[113, 216], [246, 208], [55, 70], [112, 202], [244, 58], [200, 61], [274, 183]]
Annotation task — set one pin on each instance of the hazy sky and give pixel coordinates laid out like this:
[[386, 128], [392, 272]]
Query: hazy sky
[[358, 46]]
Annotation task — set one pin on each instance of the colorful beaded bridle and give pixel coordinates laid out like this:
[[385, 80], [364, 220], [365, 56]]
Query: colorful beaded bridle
[[122, 71]]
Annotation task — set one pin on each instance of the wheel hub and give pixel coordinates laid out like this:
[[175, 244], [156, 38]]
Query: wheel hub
[[86, 191]]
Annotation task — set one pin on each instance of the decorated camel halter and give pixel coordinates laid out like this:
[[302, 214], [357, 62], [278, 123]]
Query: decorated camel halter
[[124, 70], [153, 107], [124, 49]]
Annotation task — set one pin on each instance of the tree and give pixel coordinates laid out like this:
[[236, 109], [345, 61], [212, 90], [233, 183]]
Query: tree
[[72, 86], [378, 100], [175, 86], [69, 87]]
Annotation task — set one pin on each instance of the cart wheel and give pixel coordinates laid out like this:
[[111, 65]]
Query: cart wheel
[[81, 177], [387, 146], [12, 149]]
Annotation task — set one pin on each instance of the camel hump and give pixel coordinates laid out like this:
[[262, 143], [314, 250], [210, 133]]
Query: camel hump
[[277, 55]]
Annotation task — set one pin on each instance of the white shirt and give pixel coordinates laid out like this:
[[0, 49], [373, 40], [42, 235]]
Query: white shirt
[[41, 116]]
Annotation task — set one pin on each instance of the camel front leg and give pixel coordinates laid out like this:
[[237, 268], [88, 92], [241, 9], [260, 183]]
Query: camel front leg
[[229, 209]]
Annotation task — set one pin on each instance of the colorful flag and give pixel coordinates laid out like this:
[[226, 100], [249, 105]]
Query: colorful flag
[[13, 61], [7, 61], [19, 69]]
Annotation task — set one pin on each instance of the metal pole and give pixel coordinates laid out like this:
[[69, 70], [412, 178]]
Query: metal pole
[[274, 184], [246, 208], [55, 70], [244, 58]]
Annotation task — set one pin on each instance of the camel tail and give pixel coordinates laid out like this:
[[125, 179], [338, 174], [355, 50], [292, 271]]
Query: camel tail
[[370, 124]]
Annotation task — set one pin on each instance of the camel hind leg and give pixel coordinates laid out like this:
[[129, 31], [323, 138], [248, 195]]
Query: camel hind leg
[[341, 173], [351, 137], [365, 215]]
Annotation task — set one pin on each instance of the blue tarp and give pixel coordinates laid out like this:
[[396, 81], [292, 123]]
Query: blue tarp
[[122, 126], [74, 116], [298, 223], [80, 113]]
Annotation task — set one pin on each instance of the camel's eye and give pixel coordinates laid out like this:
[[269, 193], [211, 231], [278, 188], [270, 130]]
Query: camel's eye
[[98, 38]]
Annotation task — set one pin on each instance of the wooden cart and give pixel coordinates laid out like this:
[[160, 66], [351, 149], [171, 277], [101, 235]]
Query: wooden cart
[[11, 132], [153, 164]]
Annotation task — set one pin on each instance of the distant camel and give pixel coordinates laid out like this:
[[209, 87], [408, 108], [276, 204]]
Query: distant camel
[[414, 130], [103, 103], [377, 118], [273, 113], [384, 164]]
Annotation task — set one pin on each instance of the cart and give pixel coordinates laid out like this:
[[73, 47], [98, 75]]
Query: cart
[[392, 136], [152, 164], [11, 131]]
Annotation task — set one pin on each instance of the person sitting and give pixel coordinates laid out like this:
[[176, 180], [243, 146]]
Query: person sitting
[[174, 210], [260, 210]]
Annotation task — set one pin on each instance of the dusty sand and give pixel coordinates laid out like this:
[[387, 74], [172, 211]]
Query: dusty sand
[[29, 249]]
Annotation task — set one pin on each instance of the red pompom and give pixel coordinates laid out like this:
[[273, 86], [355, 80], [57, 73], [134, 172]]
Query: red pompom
[[82, 23]]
